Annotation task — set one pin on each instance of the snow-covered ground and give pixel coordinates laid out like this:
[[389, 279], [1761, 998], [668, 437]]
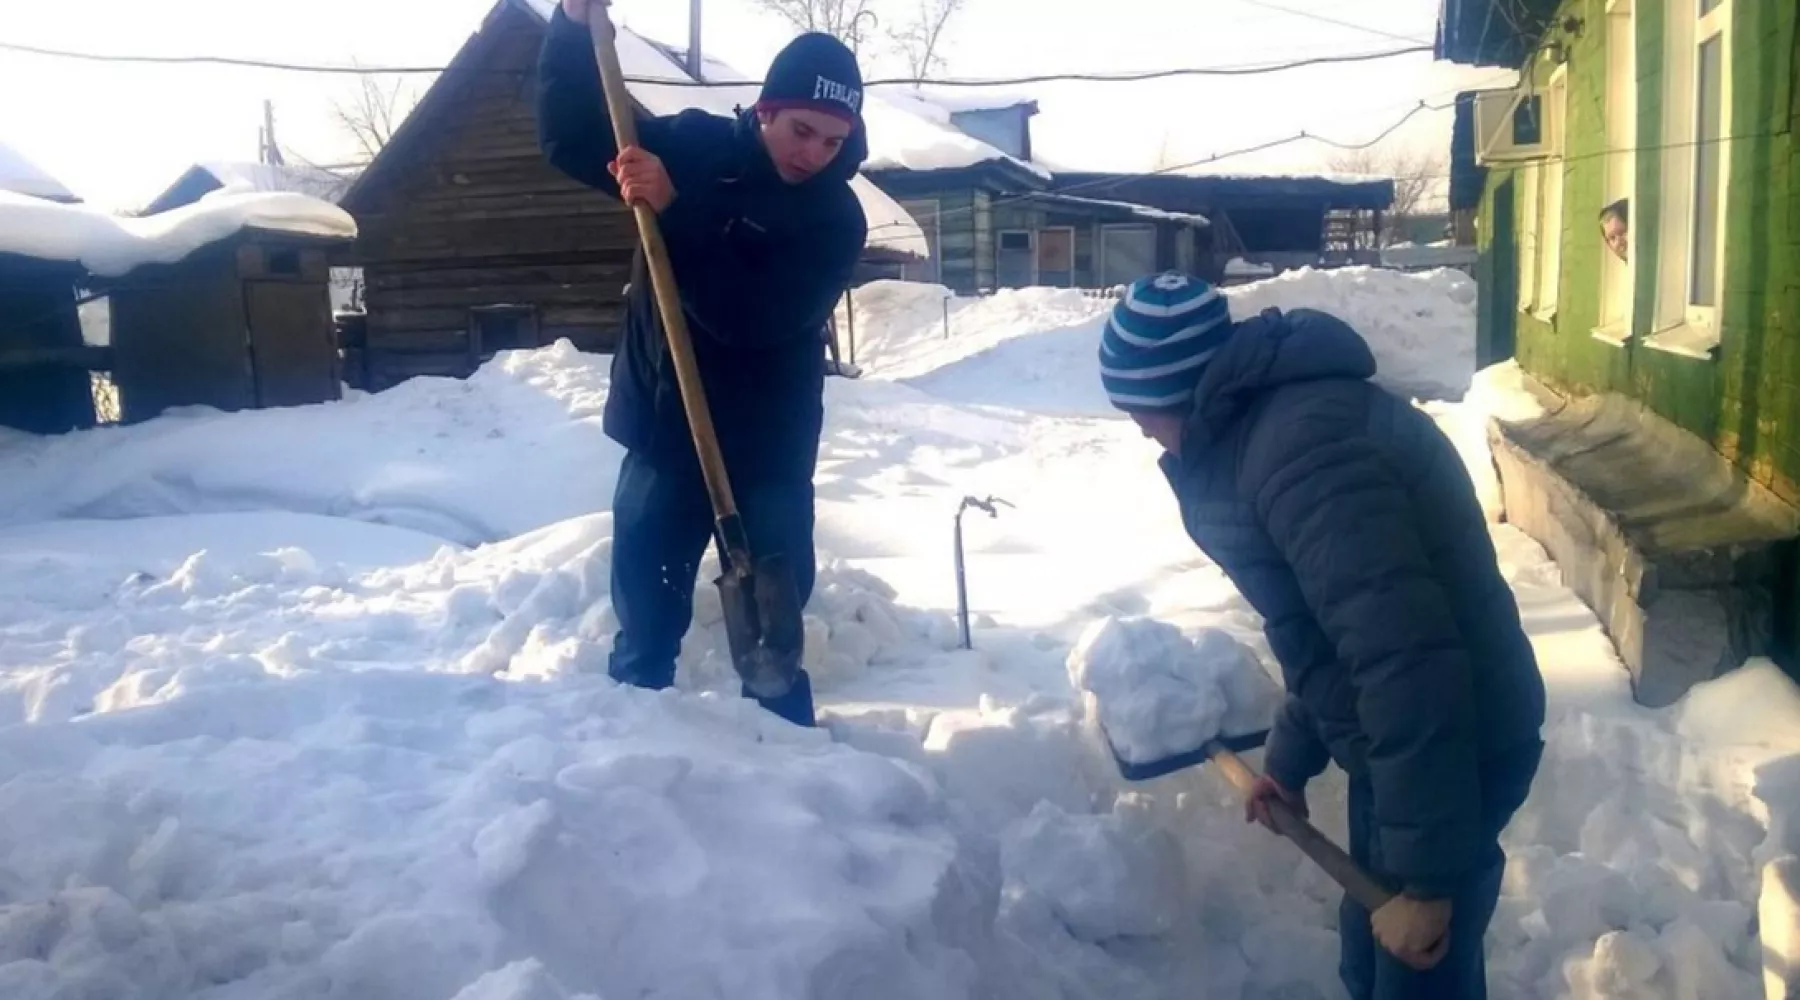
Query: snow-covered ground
[[311, 704]]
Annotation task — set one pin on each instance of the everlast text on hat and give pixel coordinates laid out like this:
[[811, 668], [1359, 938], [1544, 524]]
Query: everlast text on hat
[[831, 90]]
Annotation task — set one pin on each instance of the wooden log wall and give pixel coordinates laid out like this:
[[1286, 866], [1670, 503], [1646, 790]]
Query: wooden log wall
[[474, 216]]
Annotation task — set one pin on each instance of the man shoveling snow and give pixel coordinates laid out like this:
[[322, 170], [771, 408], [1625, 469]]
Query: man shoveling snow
[[764, 233], [1349, 523]]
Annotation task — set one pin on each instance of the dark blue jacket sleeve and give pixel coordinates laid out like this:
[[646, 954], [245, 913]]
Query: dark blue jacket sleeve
[[1294, 754], [574, 129], [1330, 500]]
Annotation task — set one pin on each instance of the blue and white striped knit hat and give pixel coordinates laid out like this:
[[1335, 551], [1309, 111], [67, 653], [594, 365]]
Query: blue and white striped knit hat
[[1159, 339]]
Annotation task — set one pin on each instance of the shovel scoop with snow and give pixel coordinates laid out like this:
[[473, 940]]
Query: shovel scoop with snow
[[1164, 703]]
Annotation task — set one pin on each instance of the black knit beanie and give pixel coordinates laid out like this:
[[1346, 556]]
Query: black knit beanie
[[816, 72]]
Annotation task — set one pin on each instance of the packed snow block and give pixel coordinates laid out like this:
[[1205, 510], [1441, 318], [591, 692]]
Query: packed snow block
[[1677, 552], [1778, 924]]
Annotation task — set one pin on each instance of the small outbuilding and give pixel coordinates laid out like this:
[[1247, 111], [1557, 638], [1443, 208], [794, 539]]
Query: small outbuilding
[[242, 323], [45, 387]]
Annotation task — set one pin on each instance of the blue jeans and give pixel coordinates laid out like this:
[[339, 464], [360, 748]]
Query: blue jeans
[[1368, 971], [662, 523]]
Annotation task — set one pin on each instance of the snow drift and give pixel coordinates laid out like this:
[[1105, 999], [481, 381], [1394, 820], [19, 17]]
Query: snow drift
[[1033, 348]]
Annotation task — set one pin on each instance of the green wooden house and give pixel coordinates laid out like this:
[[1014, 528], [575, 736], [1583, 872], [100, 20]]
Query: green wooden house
[[1665, 475]]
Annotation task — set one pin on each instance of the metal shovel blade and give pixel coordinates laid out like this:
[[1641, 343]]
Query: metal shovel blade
[[763, 626]]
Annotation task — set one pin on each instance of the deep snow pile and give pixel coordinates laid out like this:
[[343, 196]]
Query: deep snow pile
[[263, 774], [1034, 348], [329, 725]]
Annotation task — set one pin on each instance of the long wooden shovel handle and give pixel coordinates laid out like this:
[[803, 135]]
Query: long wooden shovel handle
[[662, 274], [1290, 824]]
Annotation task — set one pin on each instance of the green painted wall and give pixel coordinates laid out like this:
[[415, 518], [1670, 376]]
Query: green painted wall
[[1746, 401]]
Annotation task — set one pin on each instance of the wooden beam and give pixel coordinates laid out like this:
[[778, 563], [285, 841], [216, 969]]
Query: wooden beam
[[89, 357]]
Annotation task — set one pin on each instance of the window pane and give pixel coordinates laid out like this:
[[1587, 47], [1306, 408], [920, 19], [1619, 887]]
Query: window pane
[[1708, 6], [1129, 254], [1708, 185]]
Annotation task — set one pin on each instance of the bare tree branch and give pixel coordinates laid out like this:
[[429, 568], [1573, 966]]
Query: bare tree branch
[[1416, 174], [920, 38], [850, 21], [373, 113]]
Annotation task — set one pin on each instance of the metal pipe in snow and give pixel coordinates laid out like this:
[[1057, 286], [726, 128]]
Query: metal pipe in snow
[[693, 54], [990, 505]]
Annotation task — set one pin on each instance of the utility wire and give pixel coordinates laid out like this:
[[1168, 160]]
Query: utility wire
[[1325, 19], [1133, 77]]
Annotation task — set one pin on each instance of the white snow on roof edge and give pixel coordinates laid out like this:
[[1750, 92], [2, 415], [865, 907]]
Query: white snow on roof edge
[[110, 246], [21, 176]]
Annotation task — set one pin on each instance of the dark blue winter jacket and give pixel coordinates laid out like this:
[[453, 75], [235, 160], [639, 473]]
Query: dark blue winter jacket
[[1350, 524], [760, 264]]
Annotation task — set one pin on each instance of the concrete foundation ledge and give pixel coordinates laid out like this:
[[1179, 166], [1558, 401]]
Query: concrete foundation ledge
[[1676, 551]]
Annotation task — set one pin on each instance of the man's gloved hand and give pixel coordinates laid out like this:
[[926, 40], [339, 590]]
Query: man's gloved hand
[[642, 177], [577, 10], [1415, 931]]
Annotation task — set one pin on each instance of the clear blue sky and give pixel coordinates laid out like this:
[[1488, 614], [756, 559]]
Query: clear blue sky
[[117, 134]]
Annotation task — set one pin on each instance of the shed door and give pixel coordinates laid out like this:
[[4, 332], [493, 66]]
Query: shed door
[[1127, 253], [1056, 256], [291, 343]]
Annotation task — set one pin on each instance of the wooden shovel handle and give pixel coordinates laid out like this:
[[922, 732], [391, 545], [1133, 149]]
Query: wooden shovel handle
[[1290, 824], [662, 275]]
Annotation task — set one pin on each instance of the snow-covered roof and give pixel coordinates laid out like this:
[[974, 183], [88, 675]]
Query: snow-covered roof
[[1141, 211], [314, 182], [975, 98], [910, 132], [238, 177], [110, 246], [21, 176]]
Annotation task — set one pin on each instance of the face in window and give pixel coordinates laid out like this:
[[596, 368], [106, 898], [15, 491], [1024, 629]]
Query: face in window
[[801, 142], [1616, 231]]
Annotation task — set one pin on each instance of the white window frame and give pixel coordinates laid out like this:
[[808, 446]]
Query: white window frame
[[1683, 327], [1530, 218], [1031, 238], [1618, 286], [1552, 225]]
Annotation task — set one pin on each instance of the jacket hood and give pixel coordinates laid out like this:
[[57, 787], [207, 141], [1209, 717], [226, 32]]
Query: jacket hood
[[1274, 349], [840, 170]]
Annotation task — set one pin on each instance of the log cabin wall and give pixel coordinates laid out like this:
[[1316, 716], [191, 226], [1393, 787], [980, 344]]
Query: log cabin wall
[[470, 242]]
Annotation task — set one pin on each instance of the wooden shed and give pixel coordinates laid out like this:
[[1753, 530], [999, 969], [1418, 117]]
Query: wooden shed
[[242, 323], [45, 387], [471, 243]]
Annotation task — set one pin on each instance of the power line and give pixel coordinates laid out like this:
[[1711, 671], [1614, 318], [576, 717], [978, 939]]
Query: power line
[[1353, 26], [1133, 77]]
